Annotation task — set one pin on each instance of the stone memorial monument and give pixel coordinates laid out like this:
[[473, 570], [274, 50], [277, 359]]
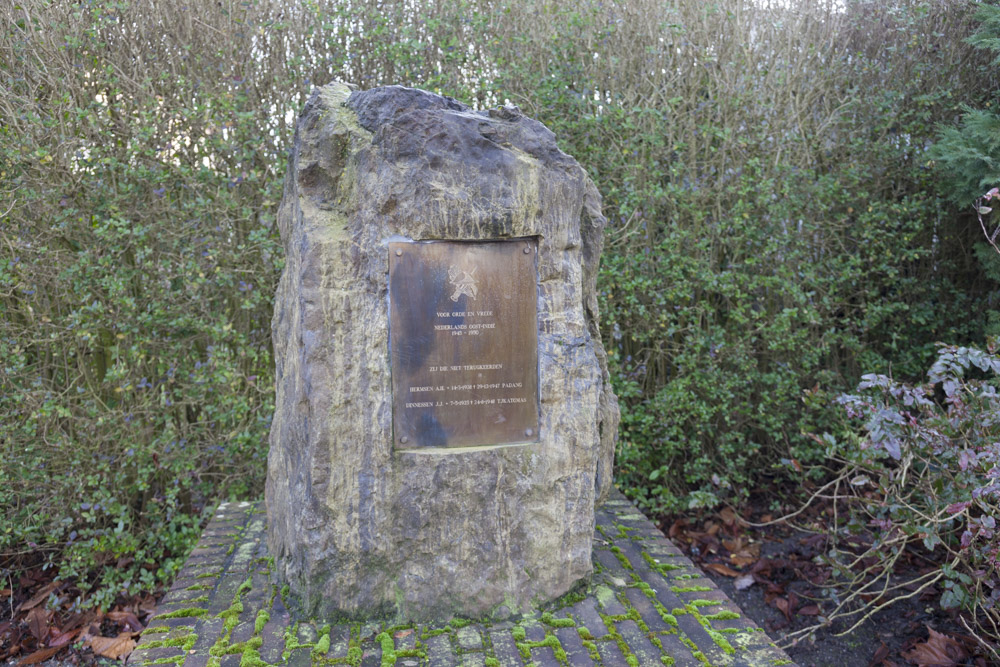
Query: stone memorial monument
[[444, 424]]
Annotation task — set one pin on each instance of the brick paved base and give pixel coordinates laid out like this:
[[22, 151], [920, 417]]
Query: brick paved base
[[646, 605]]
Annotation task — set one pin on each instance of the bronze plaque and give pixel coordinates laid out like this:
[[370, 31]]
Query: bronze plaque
[[463, 336]]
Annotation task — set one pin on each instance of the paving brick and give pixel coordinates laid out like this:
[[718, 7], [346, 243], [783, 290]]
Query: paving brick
[[576, 653], [306, 634], [155, 622], [196, 659], [639, 643], [610, 561], [544, 656], [208, 632], [533, 631], [473, 660], [233, 660], [273, 636], [676, 649], [505, 649], [405, 640], [300, 657], [610, 655], [609, 605], [225, 592], [241, 633], [340, 638], [368, 631], [372, 657], [586, 615], [647, 610], [439, 653], [468, 638], [141, 655]]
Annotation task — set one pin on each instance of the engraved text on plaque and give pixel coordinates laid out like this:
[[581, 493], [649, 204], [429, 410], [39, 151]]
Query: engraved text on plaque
[[463, 337]]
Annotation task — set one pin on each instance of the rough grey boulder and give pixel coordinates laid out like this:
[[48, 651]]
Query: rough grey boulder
[[357, 527]]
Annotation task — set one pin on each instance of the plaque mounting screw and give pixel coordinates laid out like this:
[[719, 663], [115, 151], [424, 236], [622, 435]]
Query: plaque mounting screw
[[404, 439], [526, 250], [528, 432], [399, 253]]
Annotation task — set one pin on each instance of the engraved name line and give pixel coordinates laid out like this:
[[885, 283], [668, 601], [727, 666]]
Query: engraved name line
[[466, 402], [467, 387]]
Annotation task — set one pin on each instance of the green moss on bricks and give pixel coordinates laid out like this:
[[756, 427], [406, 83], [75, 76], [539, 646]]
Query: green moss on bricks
[[199, 587], [720, 641], [263, 616], [695, 652], [517, 632], [292, 641], [176, 659], [578, 594], [188, 612], [592, 650], [623, 531], [426, 634], [604, 595], [662, 568], [622, 644], [716, 636], [209, 575], [251, 658], [550, 620], [388, 649], [156, 629], [646, 589], [667, 660], [621, 557], [322, 646], [186, 641], [221, 649], [550, 640], [584, 633], [690, 589], [231, 616], [492, 662], [724, 615], [704, 603]]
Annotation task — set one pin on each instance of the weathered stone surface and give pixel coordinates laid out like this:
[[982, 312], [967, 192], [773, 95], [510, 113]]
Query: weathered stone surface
[[357, 527]]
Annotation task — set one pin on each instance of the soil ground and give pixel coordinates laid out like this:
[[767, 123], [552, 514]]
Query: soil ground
[[783, 600]]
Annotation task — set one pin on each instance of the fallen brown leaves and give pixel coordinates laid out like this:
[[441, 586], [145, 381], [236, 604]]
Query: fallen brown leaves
[[48, 622], [113, 647], [939, 650]]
